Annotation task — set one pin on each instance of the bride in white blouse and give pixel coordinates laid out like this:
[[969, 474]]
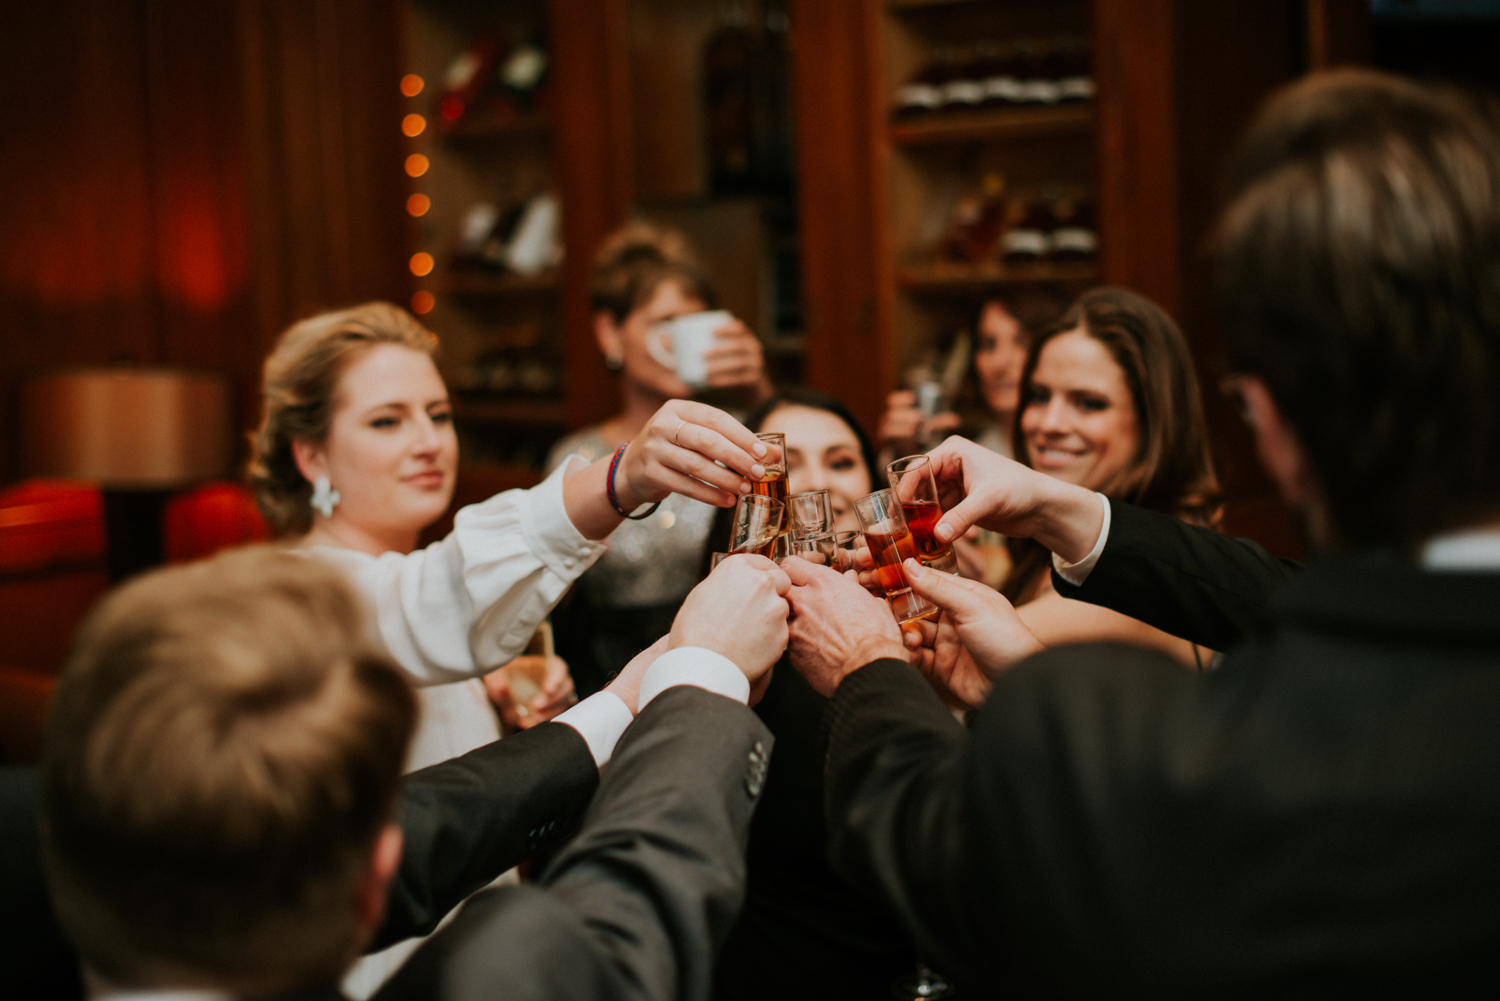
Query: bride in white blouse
[[356, 454]]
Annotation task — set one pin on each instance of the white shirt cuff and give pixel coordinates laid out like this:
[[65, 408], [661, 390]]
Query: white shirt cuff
[[694, 665], [549, 532], [599, 719], [1077, 573]]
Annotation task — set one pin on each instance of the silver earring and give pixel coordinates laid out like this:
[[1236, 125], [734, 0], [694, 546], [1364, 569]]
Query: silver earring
[[324, 497], [614, 362]]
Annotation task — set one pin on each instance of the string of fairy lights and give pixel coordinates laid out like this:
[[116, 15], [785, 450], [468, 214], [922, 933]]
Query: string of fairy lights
[[417, 204]]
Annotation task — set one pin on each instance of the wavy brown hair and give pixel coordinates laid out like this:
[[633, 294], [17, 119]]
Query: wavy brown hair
[[300, 394], [1173, 470]]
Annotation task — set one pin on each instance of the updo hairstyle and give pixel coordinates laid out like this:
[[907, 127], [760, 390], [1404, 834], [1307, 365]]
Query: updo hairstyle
[[633, 262], [300, 387]]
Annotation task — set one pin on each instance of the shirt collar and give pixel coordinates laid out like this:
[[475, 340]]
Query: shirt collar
[[1469, 550]]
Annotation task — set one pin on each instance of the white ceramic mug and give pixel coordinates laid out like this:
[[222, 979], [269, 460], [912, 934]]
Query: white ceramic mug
[[681, 343]]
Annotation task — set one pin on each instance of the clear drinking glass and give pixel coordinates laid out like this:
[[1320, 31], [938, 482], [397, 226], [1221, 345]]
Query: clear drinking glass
[[915, 488], [715, 560], [773, 484], [818, 548], [781, 547], [890, 543], [812, 512], [845, 545], [757, 523]]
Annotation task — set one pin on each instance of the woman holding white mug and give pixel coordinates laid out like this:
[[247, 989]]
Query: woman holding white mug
[[648, 296]]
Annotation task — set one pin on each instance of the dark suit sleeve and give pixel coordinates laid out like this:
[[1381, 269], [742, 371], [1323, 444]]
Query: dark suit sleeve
[[638, 904], [991, 843], [1185, 580], [469, 819]]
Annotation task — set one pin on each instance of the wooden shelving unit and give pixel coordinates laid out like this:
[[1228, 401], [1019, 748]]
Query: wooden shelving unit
[[502, 156], [999, 125], [946, 277]]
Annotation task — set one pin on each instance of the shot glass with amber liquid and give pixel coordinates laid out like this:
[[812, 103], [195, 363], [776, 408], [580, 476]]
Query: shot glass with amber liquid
[[915, 489], [890, 541]]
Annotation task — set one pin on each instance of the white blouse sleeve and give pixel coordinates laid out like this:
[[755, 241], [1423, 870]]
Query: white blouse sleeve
[[469, 603]]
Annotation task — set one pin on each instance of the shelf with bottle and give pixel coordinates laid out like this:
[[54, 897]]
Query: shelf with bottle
[[507, 251], [996, 235], [995, 124], [1024, 72], [497, 87]]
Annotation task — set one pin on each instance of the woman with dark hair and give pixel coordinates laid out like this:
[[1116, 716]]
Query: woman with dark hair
[[804, 932], [1110, 401]]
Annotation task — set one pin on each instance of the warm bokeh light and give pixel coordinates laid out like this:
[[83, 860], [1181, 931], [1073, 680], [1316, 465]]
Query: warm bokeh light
[[421, 264], [418, 204], [411, 85], [412, 125], [422, 302], [451, 109], [416, 165]]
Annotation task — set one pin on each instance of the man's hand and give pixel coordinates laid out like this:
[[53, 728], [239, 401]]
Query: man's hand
[[978, 487], [739, 611], [838, 627], [627, 684], [978, 635]]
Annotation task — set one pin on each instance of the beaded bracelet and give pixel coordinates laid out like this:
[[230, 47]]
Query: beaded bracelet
[[614, 500]]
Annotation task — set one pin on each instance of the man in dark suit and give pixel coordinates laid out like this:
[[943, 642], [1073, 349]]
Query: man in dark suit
[[223, 765], [1321, 814]]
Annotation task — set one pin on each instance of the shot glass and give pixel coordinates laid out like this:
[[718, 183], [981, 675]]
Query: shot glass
[[812, 512], [757, 523], [715, 559], [915, 489], [781, 547], [773, 484], [818, 548], [845, 545], [890, 543]]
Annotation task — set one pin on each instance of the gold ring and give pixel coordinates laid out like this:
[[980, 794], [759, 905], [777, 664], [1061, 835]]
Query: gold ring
[[680, 426]]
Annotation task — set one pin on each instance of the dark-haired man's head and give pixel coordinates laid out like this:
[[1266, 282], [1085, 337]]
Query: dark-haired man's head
[[1359, 272], [219, 779]]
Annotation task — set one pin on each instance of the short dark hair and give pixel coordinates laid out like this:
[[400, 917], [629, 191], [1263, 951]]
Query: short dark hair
[[1359, 277], [224, 748]]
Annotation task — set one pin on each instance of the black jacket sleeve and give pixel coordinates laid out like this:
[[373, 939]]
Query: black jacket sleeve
[[36, 961], [639, 903], [469, 819], [1185, 580]]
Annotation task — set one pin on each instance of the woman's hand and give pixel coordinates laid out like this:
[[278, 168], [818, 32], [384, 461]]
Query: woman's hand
[[901, 426], [978, 635], [736, 358], [677, 450], [556, 691]]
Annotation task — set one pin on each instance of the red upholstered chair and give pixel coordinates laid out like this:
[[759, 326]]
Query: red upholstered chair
[[52, 571], [215, 516]]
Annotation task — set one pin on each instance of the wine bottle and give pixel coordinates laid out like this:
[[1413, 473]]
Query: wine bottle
[[1076, 237], [1030, 241]]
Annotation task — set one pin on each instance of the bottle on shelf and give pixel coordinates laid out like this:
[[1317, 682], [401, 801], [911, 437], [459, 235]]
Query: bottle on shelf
[[1030, 240], [1076, 237], [1002, 84], [924, 93], [467, 78], [964, 88], [1077, 82], [977, 221], [1040, 72], [522, 75]]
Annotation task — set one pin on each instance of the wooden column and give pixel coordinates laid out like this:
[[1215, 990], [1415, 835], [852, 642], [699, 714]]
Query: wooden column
[[592, 109], [1137, 147], [848, 289]]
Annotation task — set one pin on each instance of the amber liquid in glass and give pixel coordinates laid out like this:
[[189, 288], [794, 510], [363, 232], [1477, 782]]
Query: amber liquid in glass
[[888, 550], [773, 486], [922, 517], [759, 548]]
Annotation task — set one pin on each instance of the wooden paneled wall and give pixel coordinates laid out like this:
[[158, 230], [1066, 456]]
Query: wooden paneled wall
[[180, 180]]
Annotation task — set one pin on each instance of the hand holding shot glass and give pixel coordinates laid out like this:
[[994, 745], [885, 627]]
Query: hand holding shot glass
[[915, 489], [774, 483], [890, 542]]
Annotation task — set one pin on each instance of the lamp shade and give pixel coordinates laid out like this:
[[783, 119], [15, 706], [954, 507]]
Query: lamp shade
[[126, 428]]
